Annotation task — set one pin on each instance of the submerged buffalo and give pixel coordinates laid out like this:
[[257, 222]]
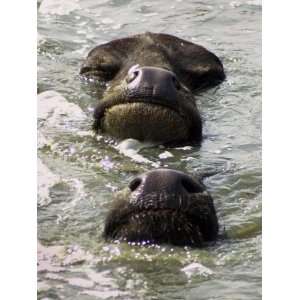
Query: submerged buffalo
[[151, 79], [163, 206]]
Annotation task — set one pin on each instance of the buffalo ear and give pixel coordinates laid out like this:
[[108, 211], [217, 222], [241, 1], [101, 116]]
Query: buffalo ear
[[197, 67], [105, 61]]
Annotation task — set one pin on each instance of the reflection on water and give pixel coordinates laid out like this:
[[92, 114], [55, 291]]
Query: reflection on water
[[79, 172]]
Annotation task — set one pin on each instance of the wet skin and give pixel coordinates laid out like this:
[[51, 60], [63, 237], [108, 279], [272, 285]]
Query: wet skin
[[163, 206], [151, 80]]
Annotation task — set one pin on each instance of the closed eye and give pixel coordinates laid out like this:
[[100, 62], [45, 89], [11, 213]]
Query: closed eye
[[105, 72]]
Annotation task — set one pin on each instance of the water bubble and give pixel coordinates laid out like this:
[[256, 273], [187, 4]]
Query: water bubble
[[106, 163], [72, 150], [196, 269], [165, 155]]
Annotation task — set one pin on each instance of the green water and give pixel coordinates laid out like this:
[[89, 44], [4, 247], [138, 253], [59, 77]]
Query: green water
[[79, 173]]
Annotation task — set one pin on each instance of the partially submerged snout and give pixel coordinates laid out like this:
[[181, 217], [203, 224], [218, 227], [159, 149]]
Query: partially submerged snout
[[152, 106], [151, 78], [163, 206]]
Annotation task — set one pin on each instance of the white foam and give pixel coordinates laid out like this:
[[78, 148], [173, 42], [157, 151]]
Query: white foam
[[46, 179], [165, 154], [79, 195], [55, 111], [196, 269], [131, 147], [104, 293], [42, 141]]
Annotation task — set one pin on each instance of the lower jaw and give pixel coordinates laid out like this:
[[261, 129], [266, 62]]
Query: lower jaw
[[158, 228], [145, 122]]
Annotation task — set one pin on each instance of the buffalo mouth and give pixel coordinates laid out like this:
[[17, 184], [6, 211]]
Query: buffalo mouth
[[148, 119], [195, 226]]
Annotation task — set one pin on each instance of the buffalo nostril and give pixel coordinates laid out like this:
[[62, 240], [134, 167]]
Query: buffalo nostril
[[176, 83], [190, 186], [135, 183], [132, 75]]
